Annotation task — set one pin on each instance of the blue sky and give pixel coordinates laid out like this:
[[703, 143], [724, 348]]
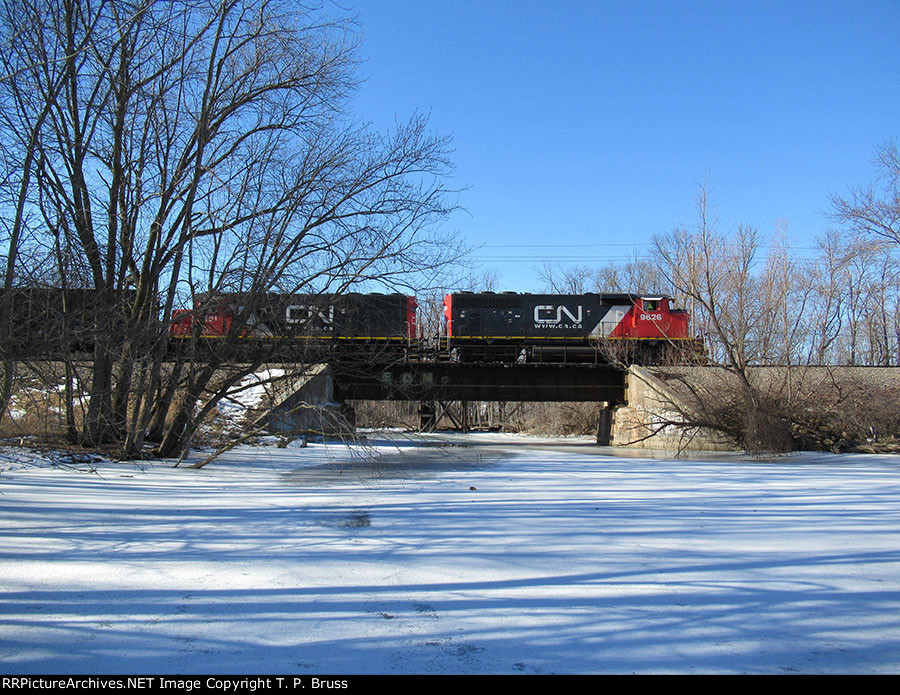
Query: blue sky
[[581, 128]]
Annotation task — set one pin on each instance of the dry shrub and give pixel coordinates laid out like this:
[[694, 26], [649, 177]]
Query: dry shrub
[[849, 414], [784, 409], [386, 414], [560, 419], [547, 419], [37, 406]]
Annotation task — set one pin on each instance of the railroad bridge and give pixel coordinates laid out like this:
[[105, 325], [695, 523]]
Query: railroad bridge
[[631, 402], [457, 381], [435, 385]]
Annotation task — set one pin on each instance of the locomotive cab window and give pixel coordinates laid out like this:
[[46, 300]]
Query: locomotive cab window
[[651, 304]]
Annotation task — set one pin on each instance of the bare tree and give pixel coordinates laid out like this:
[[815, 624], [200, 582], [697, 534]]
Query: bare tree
[[769, 318], [560, 279], [872, 215], [636, 275], [857, 297], [827, 279], [775, 326], [202, 147], [750, 310], [22, 118], [874, 210]]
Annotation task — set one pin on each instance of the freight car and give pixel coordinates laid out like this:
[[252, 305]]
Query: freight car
[[46, 322], [337, 322], [552, 327]]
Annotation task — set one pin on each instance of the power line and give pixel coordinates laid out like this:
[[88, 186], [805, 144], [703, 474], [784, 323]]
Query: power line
[[556, 246], [626, 245]]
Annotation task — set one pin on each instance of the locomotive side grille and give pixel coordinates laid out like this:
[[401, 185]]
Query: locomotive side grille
[[487, 301]]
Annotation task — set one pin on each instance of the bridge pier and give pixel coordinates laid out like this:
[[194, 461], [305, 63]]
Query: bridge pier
[[650, 404], [428, 416], [304, 402], [605, 419]]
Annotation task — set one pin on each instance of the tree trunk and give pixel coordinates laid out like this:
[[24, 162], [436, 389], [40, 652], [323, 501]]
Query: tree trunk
[[9, 366]]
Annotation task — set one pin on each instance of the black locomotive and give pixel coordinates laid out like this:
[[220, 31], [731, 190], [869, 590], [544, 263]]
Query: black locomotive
[[550, 327]]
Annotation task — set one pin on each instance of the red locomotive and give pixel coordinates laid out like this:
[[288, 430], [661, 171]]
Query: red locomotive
[[527, 327], [349, 317]]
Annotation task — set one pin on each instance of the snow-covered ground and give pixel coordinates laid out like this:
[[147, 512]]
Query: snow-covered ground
[[502, 557]]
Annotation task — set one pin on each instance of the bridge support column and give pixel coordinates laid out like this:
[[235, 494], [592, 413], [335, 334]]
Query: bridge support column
[[303, 402], [427, 416], [605, 418]]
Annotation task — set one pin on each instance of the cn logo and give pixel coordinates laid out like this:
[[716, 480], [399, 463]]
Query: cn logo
[[547, 313], [301, 313]]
